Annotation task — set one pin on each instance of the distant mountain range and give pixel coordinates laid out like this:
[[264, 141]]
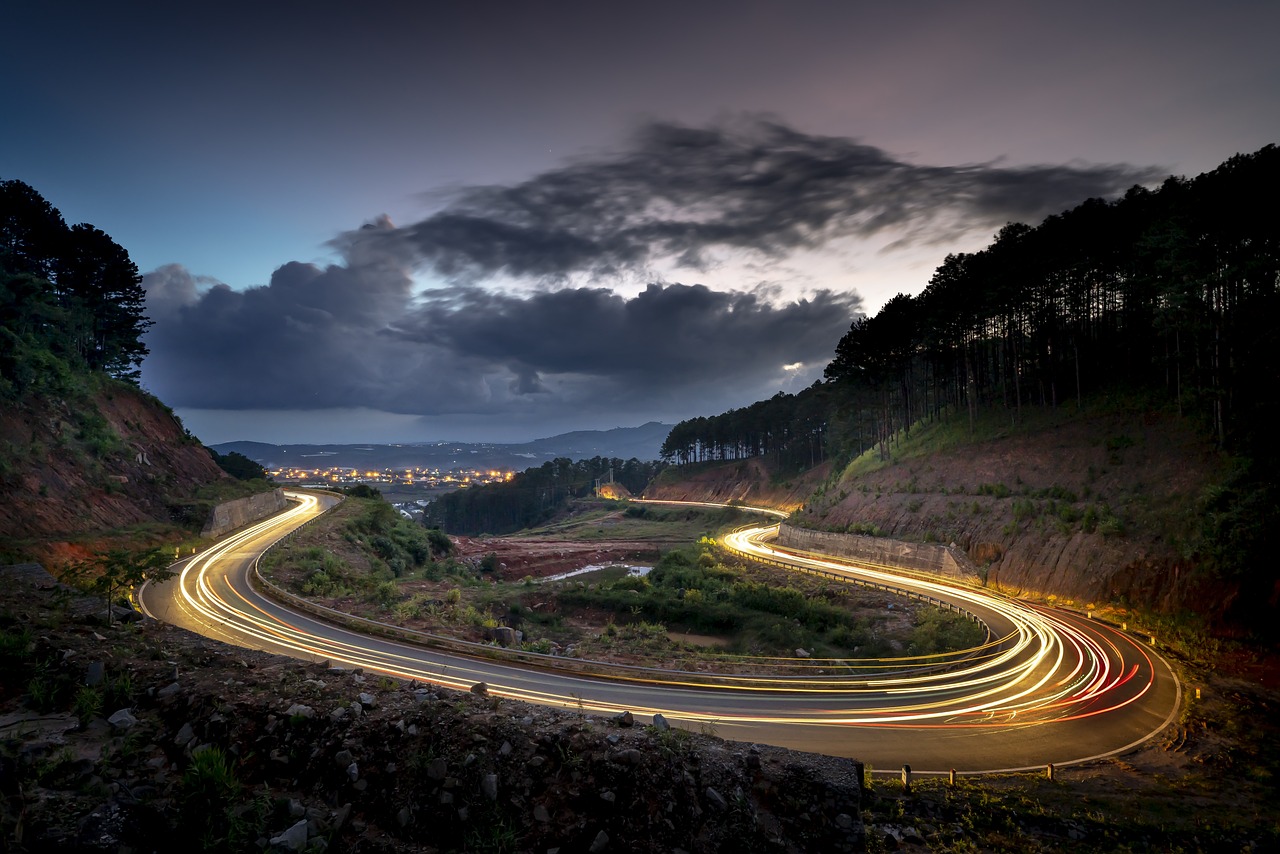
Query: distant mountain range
[[643, 443]]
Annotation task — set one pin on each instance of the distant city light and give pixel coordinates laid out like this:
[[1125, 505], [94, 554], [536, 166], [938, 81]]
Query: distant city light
[[417, 477]]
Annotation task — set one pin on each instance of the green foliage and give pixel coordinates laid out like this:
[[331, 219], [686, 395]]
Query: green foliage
[[363, 490], [87, 705], [687, 592], [213, 803], [15, 649], [938, 631], [91, 320], [239, 466], [439, 543]]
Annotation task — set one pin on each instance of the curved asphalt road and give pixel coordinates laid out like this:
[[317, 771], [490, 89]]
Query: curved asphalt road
[[1050, 687]]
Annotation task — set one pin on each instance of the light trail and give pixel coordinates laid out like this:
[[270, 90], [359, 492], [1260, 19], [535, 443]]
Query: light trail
[[1042, 674]]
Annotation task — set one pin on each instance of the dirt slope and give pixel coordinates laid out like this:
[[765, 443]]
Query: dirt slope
[[748, 481], [1097, 509], [113, 459]]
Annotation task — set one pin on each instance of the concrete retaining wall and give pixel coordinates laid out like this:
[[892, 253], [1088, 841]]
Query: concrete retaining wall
[[230, 515], [933, 558]]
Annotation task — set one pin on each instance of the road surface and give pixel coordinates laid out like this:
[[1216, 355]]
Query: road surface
[[1049, 687]]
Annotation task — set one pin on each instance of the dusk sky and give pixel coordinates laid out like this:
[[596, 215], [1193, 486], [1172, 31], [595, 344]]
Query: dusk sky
[[401, 222]]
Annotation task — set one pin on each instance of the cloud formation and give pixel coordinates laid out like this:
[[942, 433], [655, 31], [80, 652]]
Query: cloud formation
[[753, 186], [359, 333], [316, 338]]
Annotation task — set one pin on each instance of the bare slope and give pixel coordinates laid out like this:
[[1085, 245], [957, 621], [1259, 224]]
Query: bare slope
[[110, 459]]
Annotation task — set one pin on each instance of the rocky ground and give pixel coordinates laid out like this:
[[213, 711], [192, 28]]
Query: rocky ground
[[143, 737]]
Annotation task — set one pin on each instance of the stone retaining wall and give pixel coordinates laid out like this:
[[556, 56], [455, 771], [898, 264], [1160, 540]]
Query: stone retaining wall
[[230, 515], [933, 558]]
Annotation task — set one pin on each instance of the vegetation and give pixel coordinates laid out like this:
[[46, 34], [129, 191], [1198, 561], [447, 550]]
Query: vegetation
[[695, 590], [380, 546], [70, 298], [531, 497], [238, 465], [112, 572]]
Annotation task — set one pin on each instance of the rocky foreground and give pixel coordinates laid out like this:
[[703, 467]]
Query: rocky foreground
[[143, 737]]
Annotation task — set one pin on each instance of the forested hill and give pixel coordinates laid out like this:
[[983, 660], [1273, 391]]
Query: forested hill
[[1166, 298], [533, 496], [70, 297], [1172, 291]]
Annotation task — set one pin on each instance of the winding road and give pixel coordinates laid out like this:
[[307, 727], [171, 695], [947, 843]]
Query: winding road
[[1049, 686]]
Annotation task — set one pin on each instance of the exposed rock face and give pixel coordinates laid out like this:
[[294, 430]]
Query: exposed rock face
[[230, 515], [747, 481], [420, 769]]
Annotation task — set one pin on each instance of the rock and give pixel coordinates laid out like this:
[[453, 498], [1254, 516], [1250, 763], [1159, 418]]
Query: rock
[[368, 700], [168, 691], [624, 718], [343, 758], [600, 843], [489, 786], [608, 797], [122, 614], [630, 756], [293, 839], [184, 736], [437, 769], [715, 799], [802, 653], [297, 710], [660, 723], [296, 809], [353, 772], [403, 817], [541, 814], [96, 673], [122, 719], [481, 689], [504, 635]]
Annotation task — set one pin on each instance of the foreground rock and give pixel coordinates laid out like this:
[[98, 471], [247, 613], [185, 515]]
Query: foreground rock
[[242, 753]]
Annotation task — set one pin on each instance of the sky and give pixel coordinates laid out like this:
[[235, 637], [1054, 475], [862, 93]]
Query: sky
[[421, 221]]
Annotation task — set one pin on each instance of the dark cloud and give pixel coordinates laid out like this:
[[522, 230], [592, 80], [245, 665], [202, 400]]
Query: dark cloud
[[757, 185], [358, 334], [316, 338]]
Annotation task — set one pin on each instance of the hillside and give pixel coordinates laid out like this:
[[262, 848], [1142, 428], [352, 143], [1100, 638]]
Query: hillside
[[103, 460], [750, 481], [1100, 509]]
